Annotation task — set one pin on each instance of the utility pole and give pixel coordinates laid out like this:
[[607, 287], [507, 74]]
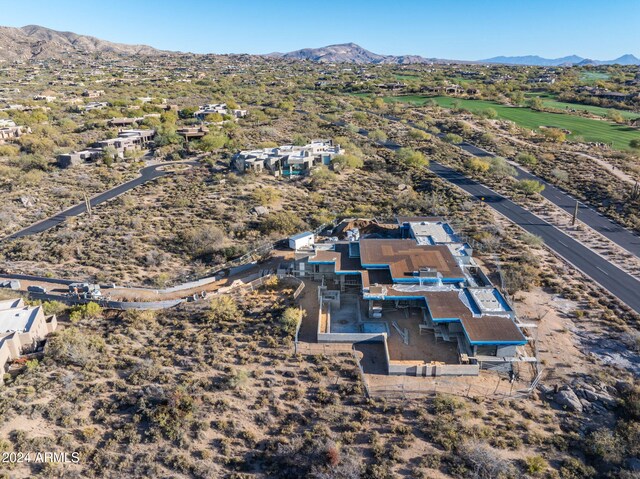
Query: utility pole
[[87, 204], [575, 214]]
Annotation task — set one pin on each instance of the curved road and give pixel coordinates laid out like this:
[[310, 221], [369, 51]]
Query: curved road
[[623, 237], [148, 173], [619, 283], [603, 225], [622, 285]]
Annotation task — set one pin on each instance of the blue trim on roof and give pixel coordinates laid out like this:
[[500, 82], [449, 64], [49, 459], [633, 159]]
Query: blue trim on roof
[[492, 343]]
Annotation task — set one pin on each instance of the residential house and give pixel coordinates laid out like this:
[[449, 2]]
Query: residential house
[[220, 108], [9, 131], [288, 160], [93, 93], [420, 295], [126, 140], [22, 329], [95, 105]]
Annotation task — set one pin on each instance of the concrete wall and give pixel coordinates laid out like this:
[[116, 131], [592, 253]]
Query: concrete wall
[[457, 370], [506, 351], [431, 370], [350, 337]]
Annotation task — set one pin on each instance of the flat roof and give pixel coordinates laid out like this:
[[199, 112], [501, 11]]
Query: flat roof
[[340, 256], [492, 330], [17, 319], [305, 234], [404, 257], [10, 303]]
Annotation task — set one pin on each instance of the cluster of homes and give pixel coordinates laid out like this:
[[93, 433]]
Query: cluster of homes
[[219, 108], [416, 292], [127, 140], [9, 131], [22, 330], [605, 94], [288, 160]]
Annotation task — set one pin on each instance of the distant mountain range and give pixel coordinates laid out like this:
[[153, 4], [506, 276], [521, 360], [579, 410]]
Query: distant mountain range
[[35, 42], [535, 60], [350, 53]]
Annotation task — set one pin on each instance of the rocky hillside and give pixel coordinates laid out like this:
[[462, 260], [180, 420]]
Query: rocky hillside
[[348, 53], [33, 42]]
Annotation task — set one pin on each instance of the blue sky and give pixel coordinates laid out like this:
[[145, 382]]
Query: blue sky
[[464, 29]]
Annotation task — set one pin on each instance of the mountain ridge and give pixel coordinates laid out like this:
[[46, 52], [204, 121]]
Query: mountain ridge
[[34, 41], [535, 60]]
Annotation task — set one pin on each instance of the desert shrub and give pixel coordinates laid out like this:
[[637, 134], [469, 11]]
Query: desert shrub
[[223, 308], [485, 462], [443, 404], [535, 465], [378, 136], [452, 138], [236, 379], [500, 168], [53, 307], [519, 277], [573, 468], [527, 159], [290, 319], [530, 187], [411, 158], [532, 240], [201, 241], [85, 311], [605, 445], [282, 222], [314, 456], [347, 160], [477, 165], [266, 196], [73, 346]]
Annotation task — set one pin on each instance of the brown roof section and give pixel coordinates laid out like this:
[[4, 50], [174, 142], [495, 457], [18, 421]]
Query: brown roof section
[[492, 329], [404, 257], [445, 305], [342, 260]]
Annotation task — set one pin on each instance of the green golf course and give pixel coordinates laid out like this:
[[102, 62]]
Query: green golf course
[[618, 136], [549, 101]]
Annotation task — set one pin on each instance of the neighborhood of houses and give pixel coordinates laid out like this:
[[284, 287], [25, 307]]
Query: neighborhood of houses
[[22, 331], [414, 295], [287, 160], [127, 140]]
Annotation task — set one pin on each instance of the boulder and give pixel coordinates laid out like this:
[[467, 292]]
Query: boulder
[[568, 398]]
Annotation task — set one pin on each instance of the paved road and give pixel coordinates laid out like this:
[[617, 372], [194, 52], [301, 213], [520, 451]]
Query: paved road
[[603, 225], [610, 277], [622, 285], [148, 173]]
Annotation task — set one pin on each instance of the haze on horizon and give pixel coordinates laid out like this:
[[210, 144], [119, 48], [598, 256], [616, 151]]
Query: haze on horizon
[[461, 30]]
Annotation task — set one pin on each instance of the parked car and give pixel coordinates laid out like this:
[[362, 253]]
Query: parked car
[[36, 289]]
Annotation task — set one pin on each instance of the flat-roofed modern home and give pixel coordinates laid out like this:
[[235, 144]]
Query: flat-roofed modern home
[[417, 292], [22, 329], [126, 140], [288, 160], [220, 108]]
